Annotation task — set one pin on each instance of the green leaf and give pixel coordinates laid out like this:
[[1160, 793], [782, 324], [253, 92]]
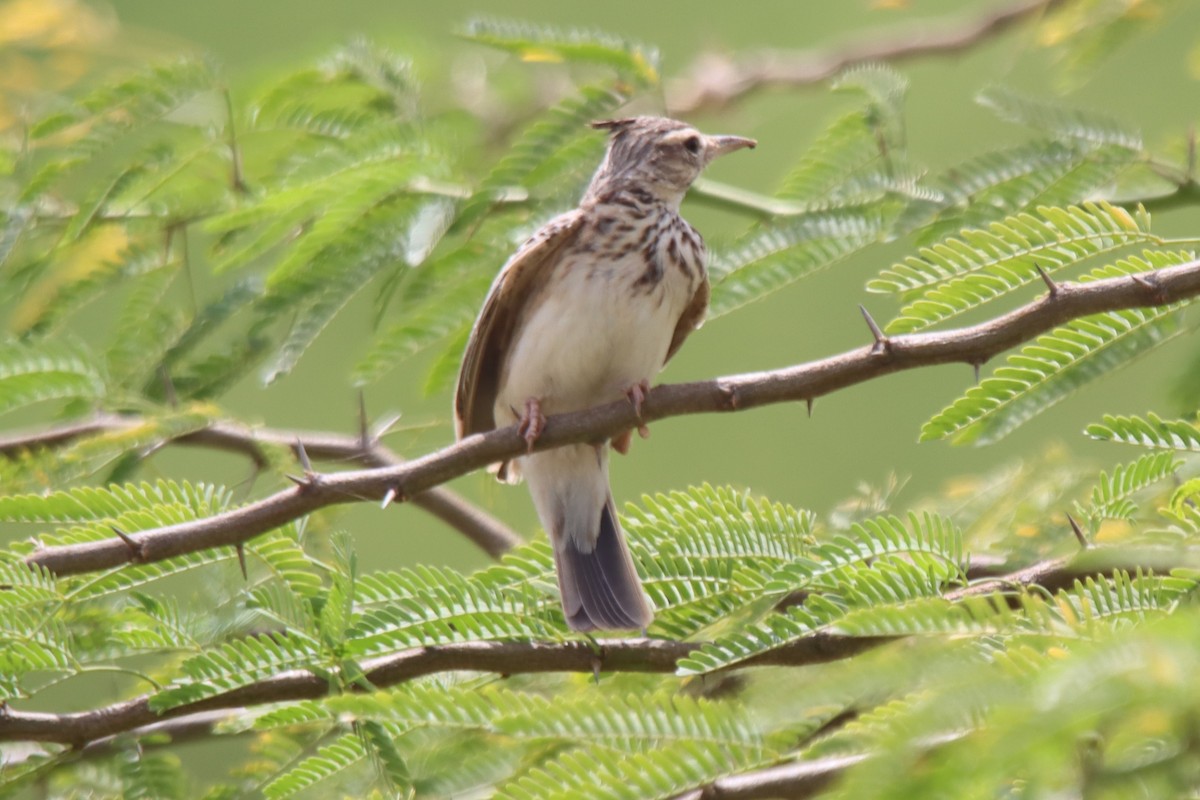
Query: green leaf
[[542, 43], [1153, 432], [454, 609], [343, 753], [89, 503], [422, 327], [1063, 123], [37, 372], [1057, 364], [663, 773], [234, 664], [1004, 256], [930, 541], [792, 248], [885, 583], [145, 328], [1111, 497], [560, 138], [634, 723]]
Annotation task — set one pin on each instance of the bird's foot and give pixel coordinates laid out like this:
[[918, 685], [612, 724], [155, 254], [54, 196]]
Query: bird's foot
[[532, 422], [637, 396]]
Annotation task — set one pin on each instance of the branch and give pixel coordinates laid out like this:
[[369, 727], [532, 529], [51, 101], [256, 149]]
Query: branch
[[512, 658], [798, 779], [489, 533], [717, 81], [971, 345], [504, 658]]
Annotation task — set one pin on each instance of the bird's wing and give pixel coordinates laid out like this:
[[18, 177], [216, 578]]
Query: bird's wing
[[519, 281], [690, 319]]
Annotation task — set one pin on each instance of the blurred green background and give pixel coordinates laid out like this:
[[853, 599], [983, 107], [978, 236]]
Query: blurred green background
[[865, 434]]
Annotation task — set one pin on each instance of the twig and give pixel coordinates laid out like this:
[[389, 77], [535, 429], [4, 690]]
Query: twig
[[511, 658], [716, 81], [970, 345], [489, 533], [798, 779]]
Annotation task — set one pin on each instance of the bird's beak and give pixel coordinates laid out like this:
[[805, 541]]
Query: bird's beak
[[720, 145]]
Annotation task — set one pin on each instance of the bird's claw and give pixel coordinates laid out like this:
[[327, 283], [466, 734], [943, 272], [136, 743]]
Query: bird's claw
[[637, 396], [532, 423]]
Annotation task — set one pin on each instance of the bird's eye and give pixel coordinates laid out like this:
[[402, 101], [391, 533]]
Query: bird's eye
[[692, 144]]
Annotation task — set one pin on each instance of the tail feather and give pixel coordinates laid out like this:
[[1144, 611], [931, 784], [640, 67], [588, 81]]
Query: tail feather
[[600, 589], [596, 577]]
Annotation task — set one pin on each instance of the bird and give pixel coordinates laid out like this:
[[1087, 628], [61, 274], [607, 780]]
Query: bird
[[586, 312]]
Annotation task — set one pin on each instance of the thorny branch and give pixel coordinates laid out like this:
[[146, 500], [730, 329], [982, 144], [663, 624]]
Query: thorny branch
[[716, 81], [489, 533], [970, 345], [79, 729]]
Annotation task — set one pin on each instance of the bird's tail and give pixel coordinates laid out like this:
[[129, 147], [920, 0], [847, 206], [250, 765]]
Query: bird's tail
[[596, 577]]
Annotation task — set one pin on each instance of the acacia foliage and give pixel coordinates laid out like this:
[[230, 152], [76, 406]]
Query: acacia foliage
[[340, 180]]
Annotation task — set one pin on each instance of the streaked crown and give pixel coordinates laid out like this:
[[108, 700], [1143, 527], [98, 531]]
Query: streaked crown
[[659, 155]]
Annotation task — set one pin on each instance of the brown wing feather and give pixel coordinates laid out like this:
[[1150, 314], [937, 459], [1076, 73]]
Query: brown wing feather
[[690, 319], [512, 291]]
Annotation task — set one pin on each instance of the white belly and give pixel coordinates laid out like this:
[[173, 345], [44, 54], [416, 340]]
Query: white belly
[[592, 336]]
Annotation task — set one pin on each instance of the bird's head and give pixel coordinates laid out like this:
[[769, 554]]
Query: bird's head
[[663, 156]]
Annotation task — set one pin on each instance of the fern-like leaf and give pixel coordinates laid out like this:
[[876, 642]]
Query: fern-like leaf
[[782, 253], [635, 723], [1063, 123], [665, 772], [343, 753], [1152, 432], [237, 663], [1008, 252], [33, 373], [90, 503], [545, 43], [1059, 363], [1111, 497], [455, 611], [931, 541]]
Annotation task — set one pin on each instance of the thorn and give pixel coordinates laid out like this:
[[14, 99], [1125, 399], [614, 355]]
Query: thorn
[[1051, 286], [881, 341], [388, 497], [168, 386], [303, 483], [364, 428], [976, 365], [302, 455], [596, 664], [1078, 531], [135, 548], [808, 402], [731, 397], [383, 427], [241, 554], [1149, 281]]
